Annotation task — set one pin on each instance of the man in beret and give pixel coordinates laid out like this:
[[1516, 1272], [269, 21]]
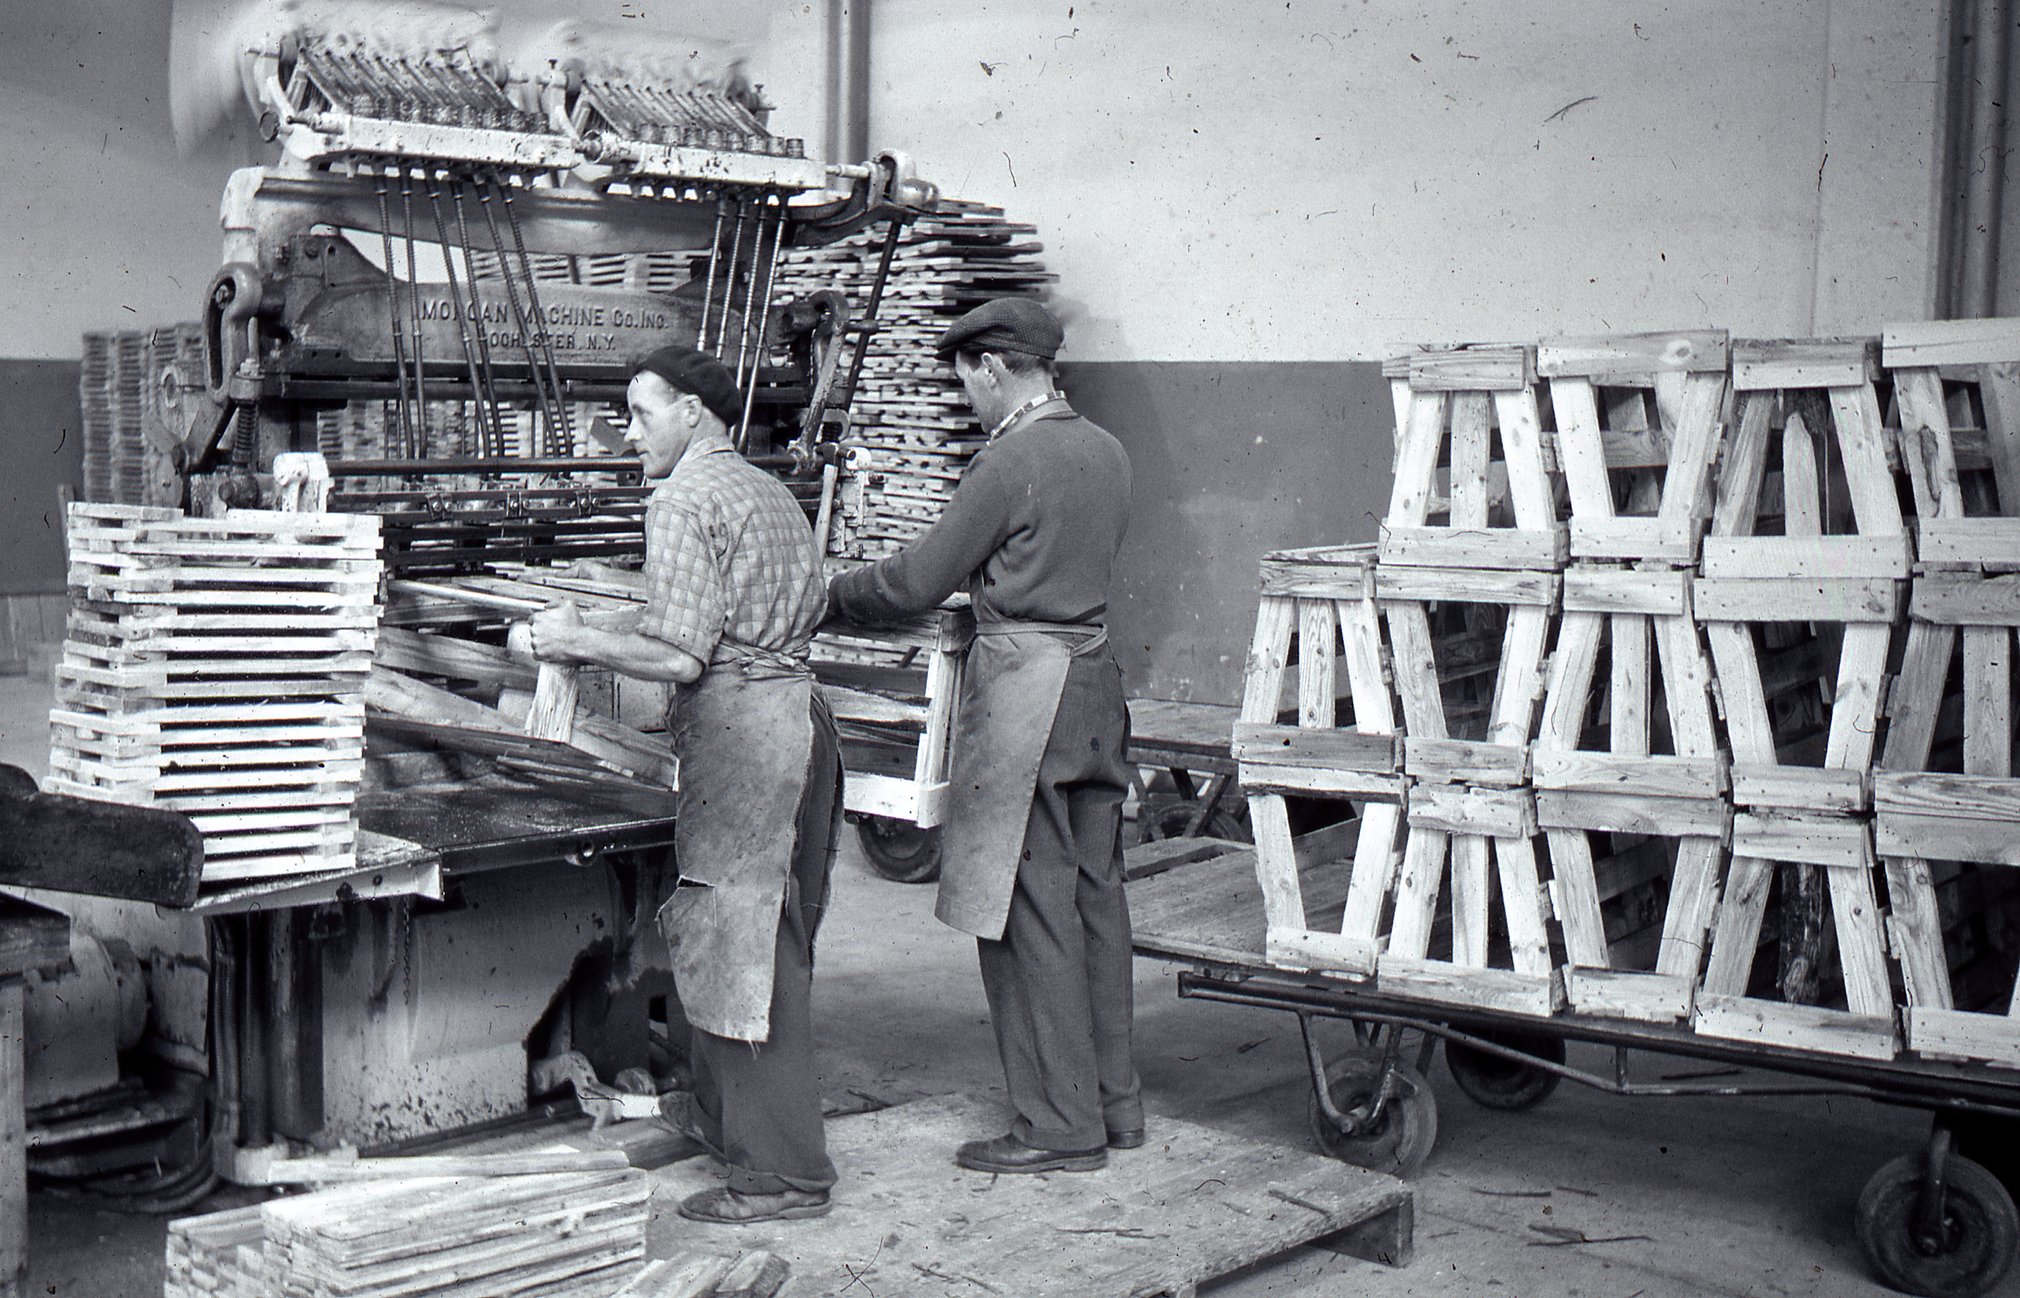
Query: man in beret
[[1031, 848], [733, 592]]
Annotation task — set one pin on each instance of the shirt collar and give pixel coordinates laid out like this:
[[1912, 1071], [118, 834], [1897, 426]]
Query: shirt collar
[[1042, 399]]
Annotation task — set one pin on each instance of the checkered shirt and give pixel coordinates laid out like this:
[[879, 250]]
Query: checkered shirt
[[731, 571]]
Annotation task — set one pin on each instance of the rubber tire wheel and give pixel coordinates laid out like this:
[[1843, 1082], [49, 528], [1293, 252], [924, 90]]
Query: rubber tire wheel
[[1497, 1083], [1167, 818], [1980, 1224], [1409, 1126], [900, 850]]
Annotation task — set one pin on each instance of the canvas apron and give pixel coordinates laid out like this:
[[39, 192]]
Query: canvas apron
[[1009, 700], [744, 733]]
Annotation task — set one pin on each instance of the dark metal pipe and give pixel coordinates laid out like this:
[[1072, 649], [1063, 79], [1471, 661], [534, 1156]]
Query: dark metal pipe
[[255, 1124]]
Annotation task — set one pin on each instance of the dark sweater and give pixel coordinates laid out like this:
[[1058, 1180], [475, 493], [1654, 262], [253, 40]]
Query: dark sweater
[[1032, 531]]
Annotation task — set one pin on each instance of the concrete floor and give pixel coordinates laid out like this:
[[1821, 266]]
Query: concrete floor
[[1674, 1198]]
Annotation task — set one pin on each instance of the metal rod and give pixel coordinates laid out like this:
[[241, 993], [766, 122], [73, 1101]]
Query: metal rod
[[488, 389], [750, 291], [456, 310], [714, 256], [509, 464], [420, 446], [729, 289], [512, 298], [393, 310], [763, 332], [566, 445], [866, 327]]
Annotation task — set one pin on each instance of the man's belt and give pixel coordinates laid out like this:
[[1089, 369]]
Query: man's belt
[[1092, 635]]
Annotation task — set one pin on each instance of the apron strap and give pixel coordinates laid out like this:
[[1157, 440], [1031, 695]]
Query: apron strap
[[757, 663], [1094, 637]]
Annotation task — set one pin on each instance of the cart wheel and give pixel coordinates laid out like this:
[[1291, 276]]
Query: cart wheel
[[1168, 818], [1501, 1083], [900, 850], [1401, 1142], [1976, 1243]]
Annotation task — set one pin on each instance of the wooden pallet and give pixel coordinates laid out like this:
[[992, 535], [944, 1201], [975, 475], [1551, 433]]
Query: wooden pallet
[[1635, 523], [1851, 582], [1468, 797], [1315, 602], [1940, 821], [216, 667], [1195, 1205]]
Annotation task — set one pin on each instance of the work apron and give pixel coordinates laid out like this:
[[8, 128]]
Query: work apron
[[1009, 700], [743, 738]]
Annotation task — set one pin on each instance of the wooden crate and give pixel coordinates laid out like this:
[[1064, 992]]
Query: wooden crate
[[1637, 431], [216, 667], [1945, 804], [1316, 603], [1844, 574], [895, 692], [1468, 797]]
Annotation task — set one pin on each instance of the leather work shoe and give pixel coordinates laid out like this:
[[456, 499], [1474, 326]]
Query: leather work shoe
[[727, 1207], [1127, 1138], [1009, 1154]]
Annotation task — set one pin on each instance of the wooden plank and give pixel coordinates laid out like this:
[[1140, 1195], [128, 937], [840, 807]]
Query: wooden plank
[[1361, 633], [1470, 898], [1417, 460], [1876, 505], [1335, 572], [1800, 788], [1988, 700], [1862, 946], [1461, 809], [1694, 446], [1575, 894], [1634, 813], [78, 845], [1625, 590], [1736, 932], [1938, 794], [1474, 547], [1739, 485], [1316, 661], [1472, 369], [1916, 700], [1816, 838], [1987, 544], [1518, 687], [1568, 690], [1523, 905], [1966, 599], [1795, 1027], [1833, 557], [1581, 449], [1268, 655], [1631, 358], [1376, 859], [1949, 342], [1417, 887], [1927, 449], [1939, 1032], [1629, 994], [1760, 364], [418, 652], [1414, 658], [1653, 540], [1464, 586], [1332, 749], [1855, 708], [1914, 926], [1802, 599], [1686, 686], [1465, 761], [1628, 691], [1501, 990], [1276, 864], [1529, 490], [1321, 782], [1468, 476], [1693, 892], [1679, 778]]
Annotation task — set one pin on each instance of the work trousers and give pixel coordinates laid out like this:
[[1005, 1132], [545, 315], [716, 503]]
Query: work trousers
[[1059, 980], [758, 1104]]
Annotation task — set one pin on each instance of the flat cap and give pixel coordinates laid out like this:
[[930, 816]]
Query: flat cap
[[1005, 324], [698, 372]]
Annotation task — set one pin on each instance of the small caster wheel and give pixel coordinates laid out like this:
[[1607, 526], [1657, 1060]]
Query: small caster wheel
[[900, 850], [1163, 818], [1963, 1254], [1497, 1082], [1401, 1140]]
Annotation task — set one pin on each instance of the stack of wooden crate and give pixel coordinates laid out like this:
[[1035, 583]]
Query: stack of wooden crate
[[1742, 547], [217, 667], [911, 431]]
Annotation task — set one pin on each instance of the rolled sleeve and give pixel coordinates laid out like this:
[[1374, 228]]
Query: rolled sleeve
[[687, 597]]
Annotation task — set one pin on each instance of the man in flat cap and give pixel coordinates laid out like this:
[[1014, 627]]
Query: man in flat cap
[[733, 593], [1031, 849]]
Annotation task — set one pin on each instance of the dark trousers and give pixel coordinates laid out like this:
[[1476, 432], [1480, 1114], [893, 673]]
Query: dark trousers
[[1059, 980], [758, 1104]]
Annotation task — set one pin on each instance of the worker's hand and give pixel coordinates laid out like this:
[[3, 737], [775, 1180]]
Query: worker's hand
[[554, 632]]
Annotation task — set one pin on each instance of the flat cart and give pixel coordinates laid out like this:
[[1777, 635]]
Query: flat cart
[[897, 721], [1943, 1223]]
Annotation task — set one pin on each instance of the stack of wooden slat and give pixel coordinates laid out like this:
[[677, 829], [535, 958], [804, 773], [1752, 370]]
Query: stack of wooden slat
[[909, 419], [217, 667], [217, 1255], [110, 386], [563, 1235]]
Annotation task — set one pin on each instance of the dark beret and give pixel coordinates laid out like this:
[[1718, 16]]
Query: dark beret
[[1005, 324], [698, 372]]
